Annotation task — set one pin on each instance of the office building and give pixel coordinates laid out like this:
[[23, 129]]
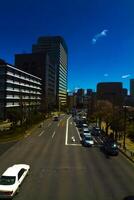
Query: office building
[[125, 92], [110, 91], [39, 64], [80, 98], [132, 87], [71, 100], [89, 92], [56, 47], [18, 89]]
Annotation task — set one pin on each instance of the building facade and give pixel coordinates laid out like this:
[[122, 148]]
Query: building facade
[[132, 87], [110, 91], [56, 47], [71, 101], [18, 89], [80, 98], [39, 64]]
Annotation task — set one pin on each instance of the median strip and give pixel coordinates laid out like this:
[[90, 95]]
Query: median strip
[[78, 134], [66, 138]]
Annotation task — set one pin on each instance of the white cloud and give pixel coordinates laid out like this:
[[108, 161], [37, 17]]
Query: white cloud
[[106, 75], [94, 40], [104, 33], [76, 89], [126, 76], [99, 35]]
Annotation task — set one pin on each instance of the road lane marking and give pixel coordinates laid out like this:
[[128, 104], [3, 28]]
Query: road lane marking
[[41, 133], [53, 134], [49, 124], [66, 138], [78, 134], [73, 144]]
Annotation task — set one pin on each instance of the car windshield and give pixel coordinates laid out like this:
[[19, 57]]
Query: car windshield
[[86, 131], [88, 137], [7, 180]]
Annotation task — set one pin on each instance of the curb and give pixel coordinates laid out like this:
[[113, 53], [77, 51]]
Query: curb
[[126, 155]]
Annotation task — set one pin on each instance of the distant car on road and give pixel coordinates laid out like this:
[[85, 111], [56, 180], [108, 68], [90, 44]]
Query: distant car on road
[[85, 132], [110, 148], [96, 131], [56, 118], [85, 126], [87, 141], [11, 179]]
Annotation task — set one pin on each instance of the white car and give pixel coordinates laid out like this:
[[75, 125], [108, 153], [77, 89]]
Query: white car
[[11, 179], [85, 126], [88, 140], [86, 131]]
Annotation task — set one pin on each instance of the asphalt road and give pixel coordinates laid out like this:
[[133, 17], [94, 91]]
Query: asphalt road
[[64, 170]]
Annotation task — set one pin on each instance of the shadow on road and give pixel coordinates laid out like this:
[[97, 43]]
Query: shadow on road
[[5, 146], [129, 198]]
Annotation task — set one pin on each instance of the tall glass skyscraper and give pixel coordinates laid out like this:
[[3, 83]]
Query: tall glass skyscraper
[[56, 47]]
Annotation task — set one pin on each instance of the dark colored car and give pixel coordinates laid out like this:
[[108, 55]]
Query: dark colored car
[[110, 148], [96, 131]]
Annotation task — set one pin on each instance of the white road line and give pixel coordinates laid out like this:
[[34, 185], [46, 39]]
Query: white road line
[[78, 134], [53, 134], [41, 133], [73, 144], [66, 138]]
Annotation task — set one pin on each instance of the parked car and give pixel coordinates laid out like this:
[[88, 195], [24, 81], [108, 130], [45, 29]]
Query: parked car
[[87, 141], [85, 126], [96, 131], [11, 179], [85, 131]]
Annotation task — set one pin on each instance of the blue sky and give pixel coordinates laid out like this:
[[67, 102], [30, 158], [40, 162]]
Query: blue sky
[[99, 35]]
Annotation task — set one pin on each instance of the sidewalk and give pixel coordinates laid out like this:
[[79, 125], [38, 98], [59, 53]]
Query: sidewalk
[[20, 135], [129, 150]]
